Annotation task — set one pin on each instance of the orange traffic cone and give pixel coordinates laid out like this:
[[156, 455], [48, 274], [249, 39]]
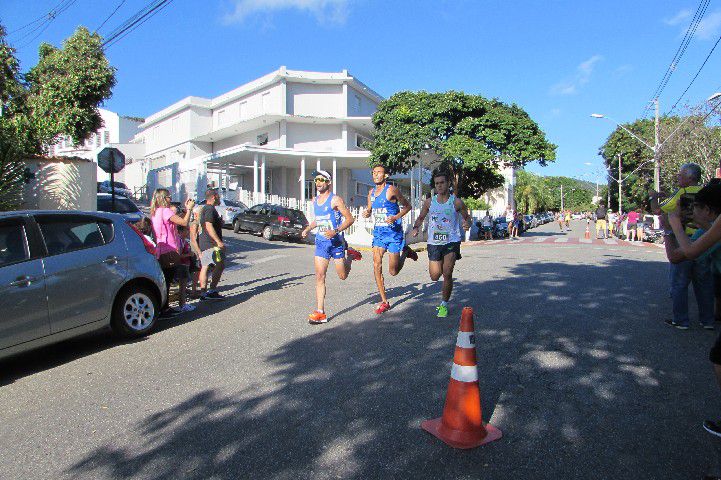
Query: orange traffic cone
[[461, 425]]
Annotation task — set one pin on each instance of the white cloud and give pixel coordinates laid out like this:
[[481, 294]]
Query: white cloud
[[678, 18], [325, 11], [710, 26], [581, 77]]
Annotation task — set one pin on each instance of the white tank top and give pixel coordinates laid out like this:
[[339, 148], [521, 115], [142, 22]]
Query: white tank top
[[443, 225]]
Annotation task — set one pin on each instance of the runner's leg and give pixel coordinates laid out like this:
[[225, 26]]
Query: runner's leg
[[342, 267], [435, 269], [449, 261], [378, 253], [321, 267]]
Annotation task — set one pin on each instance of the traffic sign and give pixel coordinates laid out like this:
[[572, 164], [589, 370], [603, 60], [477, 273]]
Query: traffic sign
[[111, 160]]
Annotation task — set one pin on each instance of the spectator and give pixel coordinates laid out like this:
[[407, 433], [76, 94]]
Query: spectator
[[631, 224], [487, 226], [212, 248], [611, 216], [679, 248], [601, 220], [516, 224], [183, 275], [639, 225], [509, 221], [165, 220], [195, 248]]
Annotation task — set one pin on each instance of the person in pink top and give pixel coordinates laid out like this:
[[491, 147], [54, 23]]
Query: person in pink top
[[165, 221], [631, 223]]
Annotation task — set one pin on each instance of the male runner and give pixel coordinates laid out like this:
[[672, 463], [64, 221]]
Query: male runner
[[383, 201], [331, 218], [444, 235]]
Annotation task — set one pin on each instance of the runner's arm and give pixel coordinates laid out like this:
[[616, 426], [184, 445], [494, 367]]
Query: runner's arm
[[402, 201], [463, 210], [422, 216], [348, 220], [307, 229]]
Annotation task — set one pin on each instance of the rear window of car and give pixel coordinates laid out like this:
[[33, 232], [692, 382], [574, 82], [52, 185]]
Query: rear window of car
[[122, 205], [64, 234], [296, 216]]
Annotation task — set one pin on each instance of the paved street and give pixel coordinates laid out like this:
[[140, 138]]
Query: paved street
[[576, 368]]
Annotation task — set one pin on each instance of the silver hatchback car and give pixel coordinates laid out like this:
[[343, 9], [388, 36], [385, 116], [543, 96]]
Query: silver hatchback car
[[63, 274]]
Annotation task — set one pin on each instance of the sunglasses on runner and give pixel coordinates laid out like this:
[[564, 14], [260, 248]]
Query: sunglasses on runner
[[322, 179]]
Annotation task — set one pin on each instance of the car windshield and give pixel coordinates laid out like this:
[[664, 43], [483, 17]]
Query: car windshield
[[296, 215], [231, 203], [122, 205]]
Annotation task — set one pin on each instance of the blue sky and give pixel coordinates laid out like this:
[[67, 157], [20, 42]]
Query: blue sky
[[559, 60]]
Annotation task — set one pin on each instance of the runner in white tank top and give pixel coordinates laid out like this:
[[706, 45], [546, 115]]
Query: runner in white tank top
[[444, 234]]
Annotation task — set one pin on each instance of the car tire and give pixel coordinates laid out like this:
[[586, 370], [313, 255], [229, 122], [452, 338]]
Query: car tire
[[268, 232], [134, 312], [236, 226]]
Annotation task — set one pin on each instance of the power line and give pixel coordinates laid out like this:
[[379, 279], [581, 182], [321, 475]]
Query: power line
[[48, 20], [146, 13], [697, 73], [39, 19], [109, 16], [690, 32]]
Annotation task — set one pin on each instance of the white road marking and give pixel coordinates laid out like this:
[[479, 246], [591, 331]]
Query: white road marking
[[585, 240], [609, 241], [539, 239], [242, 265], [561, 240]]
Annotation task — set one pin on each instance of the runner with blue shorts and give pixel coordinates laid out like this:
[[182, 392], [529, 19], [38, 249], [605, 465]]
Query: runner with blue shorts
[[332, 217], [387, 205]]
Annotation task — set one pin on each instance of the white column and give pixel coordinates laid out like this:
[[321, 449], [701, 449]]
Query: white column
[[302, 179], [335, 177], [262, 177], [255, 178], [317, 163]]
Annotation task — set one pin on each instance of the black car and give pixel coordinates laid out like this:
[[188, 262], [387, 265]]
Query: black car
[[271, 221]]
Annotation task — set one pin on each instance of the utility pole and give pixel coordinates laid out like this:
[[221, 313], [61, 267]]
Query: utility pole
[[656, 148], [561, 197], [619, 183], [608, 191]]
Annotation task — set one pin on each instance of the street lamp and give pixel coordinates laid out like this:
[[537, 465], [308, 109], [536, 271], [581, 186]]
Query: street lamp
[[656, 147], [562, 196]]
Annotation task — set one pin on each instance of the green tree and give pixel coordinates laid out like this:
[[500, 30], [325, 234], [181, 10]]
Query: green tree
[[59, 96], [472, 136]]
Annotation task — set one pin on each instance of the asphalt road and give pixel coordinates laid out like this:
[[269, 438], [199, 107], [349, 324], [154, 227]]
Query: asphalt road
[[576, 368]]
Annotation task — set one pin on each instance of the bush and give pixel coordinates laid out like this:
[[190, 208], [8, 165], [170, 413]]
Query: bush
[[476, 204]]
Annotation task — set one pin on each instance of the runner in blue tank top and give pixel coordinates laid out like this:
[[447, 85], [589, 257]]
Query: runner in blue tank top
[[386, 206], [331, 219], [444, 234]]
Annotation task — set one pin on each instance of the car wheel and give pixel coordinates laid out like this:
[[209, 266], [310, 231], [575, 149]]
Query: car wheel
[[268, 232], [236, 226], [134, 312]]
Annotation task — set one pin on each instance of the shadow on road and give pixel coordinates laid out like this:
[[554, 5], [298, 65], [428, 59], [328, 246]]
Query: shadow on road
[[575, 364]]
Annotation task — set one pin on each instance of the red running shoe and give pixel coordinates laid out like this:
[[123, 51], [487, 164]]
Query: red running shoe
[[410, 253], [354, 254], [317, 317], [383, 307]]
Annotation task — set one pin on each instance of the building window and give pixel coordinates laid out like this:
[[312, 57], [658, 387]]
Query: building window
[[309, 189], [362, 188], [357, 103], [106, 137], [262, 139], [265, 98], [97, 140], [221, 117], [360, 140]]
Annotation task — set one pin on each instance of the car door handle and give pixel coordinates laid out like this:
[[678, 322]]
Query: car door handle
[[111, 260], [22, 281]]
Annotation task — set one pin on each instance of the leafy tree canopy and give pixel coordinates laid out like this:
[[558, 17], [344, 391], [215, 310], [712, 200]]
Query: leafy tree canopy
[[535, 193], [473, 137]]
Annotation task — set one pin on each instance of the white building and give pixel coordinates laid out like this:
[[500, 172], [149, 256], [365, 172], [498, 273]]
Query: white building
[[117, 131], [262, 139]]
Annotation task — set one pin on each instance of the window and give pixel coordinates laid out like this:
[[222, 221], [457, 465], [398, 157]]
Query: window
[[309, 189], [360, 140], [357, 103], [262, 139], [107, 230], [362, 188], [122, 205], [97, 140], [255, 209], [64, 234], [13, 245], [106, 137], [221, 117]]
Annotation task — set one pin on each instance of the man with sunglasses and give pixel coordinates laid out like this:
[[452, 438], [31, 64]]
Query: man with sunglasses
[[332, 217], [387, 205]]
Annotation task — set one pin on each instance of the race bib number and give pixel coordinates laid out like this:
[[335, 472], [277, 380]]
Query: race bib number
[[379, 219], [324, 226], [440, 236]]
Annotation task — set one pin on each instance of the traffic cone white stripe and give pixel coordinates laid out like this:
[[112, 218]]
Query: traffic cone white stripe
[[466, 340], [464, 374]]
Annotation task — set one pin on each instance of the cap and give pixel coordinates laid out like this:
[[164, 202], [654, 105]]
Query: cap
[[321, 173]]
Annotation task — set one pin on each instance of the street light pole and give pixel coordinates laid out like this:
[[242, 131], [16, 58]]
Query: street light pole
[[620, 182], [561, 197], [656, 147]]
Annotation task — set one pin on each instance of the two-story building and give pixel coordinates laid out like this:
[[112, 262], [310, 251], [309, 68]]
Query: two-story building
[[263, 138]]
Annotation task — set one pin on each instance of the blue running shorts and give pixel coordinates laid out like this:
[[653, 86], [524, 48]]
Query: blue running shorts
[[328, 250], [393, 242]]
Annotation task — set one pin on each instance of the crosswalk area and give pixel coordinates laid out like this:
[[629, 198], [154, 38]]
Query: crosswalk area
[[562, 240]]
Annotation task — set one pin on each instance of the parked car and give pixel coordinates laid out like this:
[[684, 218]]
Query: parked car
[[120, 188], [63, 274], [228, 209], [500, 227], [271, 221], [127, 208]]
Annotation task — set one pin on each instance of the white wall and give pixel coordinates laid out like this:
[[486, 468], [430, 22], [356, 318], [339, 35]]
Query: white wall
[[359, 105], [62, 184], [251, 137], [267, 100], [314, 100], [314, 137]]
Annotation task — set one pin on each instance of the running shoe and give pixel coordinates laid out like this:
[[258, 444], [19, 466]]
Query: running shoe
[[212, 295], [187, 308], [354, 254], [410, 253], [442, 311], [383, 307], [714, 428], [317, 317], [678, 326]]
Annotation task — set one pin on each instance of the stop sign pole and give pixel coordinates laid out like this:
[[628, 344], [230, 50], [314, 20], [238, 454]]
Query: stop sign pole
[[111, 160]]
